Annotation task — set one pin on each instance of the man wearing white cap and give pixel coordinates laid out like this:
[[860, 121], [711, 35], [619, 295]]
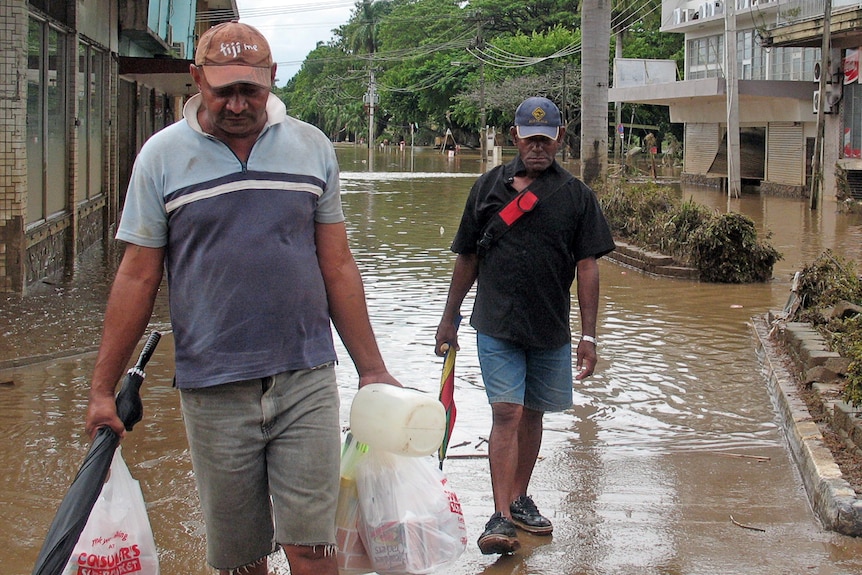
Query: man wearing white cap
[[240, 204], [528, 228]]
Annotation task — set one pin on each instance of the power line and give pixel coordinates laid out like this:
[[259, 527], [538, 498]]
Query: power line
[[458, 42], [487, 53], [500, 58], [494, 56]]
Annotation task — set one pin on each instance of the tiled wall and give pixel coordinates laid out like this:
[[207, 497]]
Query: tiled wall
[[29, 254], [13, 172]]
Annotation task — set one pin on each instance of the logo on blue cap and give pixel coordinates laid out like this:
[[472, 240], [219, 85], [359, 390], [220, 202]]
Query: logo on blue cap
[[538, 117]]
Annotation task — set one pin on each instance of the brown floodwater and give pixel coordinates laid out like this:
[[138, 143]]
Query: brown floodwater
[[672, 436]]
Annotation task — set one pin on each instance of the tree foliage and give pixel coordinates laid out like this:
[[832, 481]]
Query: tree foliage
[[327, 92], [434, 63]]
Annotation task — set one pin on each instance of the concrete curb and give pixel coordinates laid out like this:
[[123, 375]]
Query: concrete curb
[[834, 501], [650, 262]]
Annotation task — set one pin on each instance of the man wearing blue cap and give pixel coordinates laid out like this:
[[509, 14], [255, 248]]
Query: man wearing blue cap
[[528, 229]]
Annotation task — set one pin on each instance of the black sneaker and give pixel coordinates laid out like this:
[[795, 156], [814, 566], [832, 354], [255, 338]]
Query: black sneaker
[[526, 516], [499, 536]]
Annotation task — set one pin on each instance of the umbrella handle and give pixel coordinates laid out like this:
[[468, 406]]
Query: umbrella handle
[[444, 347], [148, 350], [129, 406]]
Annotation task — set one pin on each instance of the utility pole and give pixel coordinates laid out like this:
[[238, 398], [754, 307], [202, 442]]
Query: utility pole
[[371, 98], [483, 128], [817, 160], [731, 75], [596, 45], [565, 105], [618, 106]]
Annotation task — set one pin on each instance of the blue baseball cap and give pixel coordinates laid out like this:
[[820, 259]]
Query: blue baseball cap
[[538, 116]]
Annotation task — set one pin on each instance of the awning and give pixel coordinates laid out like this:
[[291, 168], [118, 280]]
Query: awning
[[168, 75]]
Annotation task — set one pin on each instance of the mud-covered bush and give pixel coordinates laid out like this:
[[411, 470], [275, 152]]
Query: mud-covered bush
[[727, 250], [853, 385], [827, 282], [632, 212], [724, 248], [682, 223]]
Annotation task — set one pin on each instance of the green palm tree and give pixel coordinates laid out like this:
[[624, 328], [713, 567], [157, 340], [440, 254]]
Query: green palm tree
[[361, 32]]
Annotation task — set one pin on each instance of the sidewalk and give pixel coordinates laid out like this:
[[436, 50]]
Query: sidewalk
[[832, 498]]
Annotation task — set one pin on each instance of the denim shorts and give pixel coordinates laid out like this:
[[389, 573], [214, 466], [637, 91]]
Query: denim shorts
[[538, 379], [266, 456]]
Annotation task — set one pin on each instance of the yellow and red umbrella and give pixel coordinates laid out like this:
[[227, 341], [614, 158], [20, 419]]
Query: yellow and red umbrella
[[447, 395]]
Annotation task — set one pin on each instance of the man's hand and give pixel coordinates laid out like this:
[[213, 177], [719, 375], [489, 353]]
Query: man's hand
[[102, 412], [378, 377], [587, 359], [446, 337]]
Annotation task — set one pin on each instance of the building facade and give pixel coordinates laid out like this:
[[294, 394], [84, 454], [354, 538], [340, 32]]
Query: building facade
[[771, 93], [83, 83], [802, 23]]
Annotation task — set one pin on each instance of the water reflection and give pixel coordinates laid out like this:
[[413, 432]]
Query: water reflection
[[671, 380], [636, 476], [392, 159]]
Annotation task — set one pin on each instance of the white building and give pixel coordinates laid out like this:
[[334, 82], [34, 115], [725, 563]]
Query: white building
[[801, 23], [775, 91]]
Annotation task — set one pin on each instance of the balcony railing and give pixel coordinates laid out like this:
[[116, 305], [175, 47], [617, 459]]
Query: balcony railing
[[799, 10]]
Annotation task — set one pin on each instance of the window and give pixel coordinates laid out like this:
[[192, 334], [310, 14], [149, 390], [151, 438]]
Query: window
[[853, 120], [35, 120], [47, 144], [705, 57], [745, 54], [796, 65], [90, 119], [57, 164], [793, 63]]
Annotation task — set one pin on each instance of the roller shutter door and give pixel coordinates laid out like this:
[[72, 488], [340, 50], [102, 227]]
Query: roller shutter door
[[785, 154], [701, 144]]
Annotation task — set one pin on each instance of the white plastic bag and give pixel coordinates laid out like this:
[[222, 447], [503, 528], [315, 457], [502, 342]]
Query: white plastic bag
[[117, 539], [410, 520]]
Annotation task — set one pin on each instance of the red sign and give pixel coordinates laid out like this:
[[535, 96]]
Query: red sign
[[851, 65]]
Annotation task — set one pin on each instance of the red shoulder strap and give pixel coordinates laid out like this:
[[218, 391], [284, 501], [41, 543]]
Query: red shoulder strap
[[518, 206], [498, 225]]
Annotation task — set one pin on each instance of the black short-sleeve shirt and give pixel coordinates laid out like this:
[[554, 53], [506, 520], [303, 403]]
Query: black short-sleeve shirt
[[523, 289]]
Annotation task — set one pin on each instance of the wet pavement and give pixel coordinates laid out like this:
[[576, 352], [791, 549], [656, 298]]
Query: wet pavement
[[671, 462]]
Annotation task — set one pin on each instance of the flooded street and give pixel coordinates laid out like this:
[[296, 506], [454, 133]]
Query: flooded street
[[672, 437]]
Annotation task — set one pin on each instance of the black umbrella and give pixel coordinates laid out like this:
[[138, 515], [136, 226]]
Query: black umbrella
[[74, 510]]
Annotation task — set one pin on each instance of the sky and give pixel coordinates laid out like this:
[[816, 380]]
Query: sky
[[294, 27]]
